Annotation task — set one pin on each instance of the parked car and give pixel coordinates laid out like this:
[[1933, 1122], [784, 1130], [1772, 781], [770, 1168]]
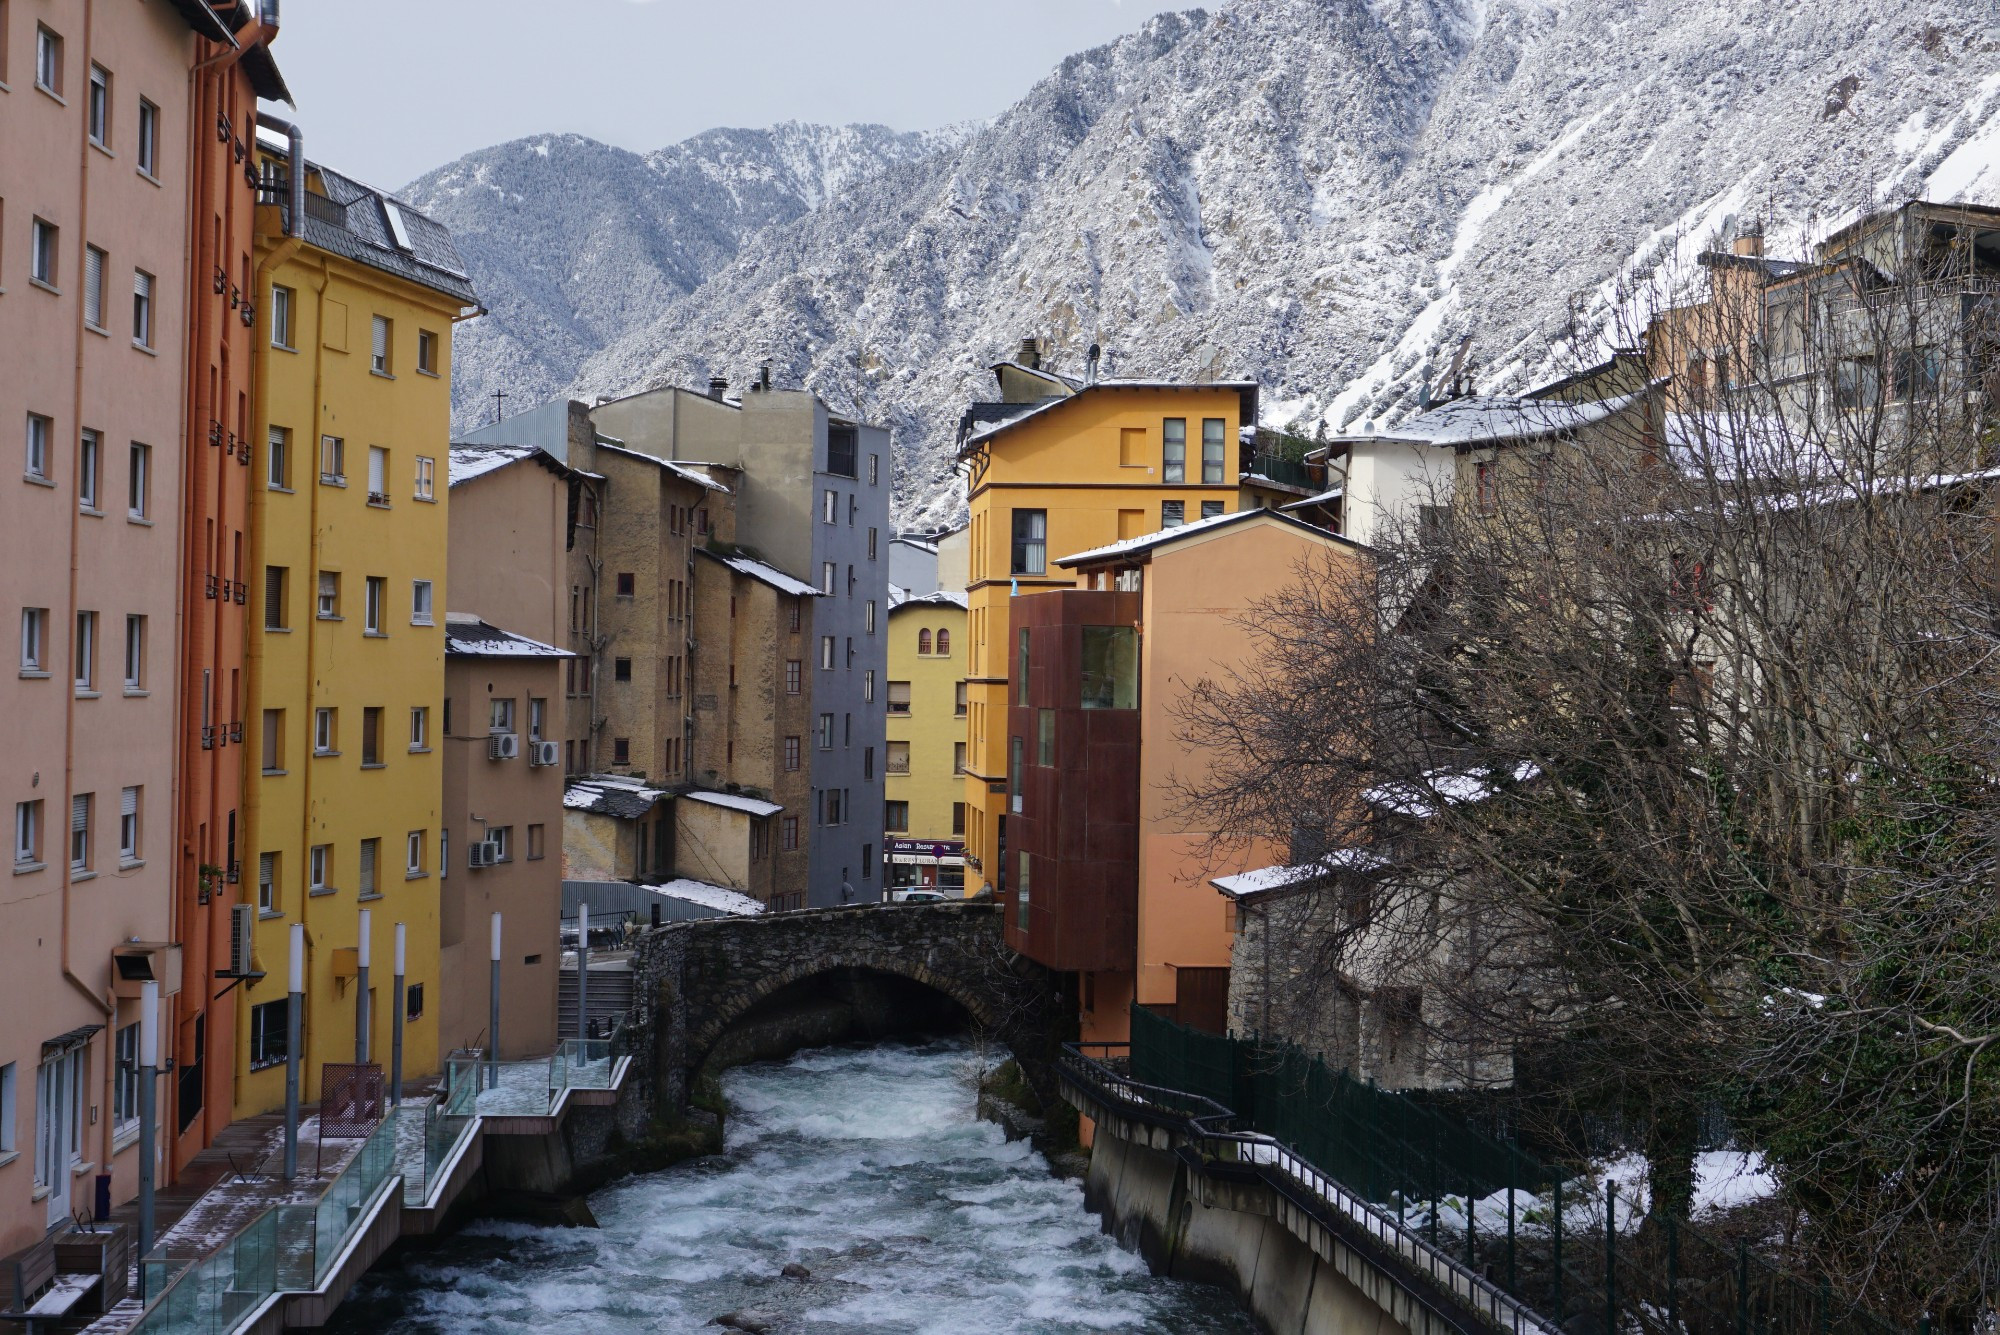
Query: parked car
[[917, 895]]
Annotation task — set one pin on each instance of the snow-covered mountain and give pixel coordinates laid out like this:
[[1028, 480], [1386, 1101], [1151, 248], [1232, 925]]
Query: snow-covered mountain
[[1320, 193], [572, 243]]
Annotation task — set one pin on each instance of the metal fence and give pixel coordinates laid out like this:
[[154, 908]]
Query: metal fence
[[1562, 1243]]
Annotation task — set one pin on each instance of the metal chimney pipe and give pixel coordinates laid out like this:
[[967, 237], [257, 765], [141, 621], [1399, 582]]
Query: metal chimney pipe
[[295, 152]]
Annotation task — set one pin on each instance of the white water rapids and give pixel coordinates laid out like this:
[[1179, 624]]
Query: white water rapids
[[867, 1166]]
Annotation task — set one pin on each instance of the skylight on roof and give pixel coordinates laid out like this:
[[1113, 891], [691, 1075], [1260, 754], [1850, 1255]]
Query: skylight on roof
[[397, 229]]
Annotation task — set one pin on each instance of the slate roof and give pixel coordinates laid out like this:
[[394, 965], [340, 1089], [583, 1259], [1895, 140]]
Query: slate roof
[[769, 574], [467, 636], [1481, 418], [980, 424], [467, 462], [368, 237], [613, 795]]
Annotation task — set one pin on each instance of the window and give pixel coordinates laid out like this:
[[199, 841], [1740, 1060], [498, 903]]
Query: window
[[868, 686], [378, 361], [79, 832], [274, 597], [40, 429], [128, 825], [135, 653], [35, 640], [27, 835], [1045, 738], [371, 852], [1173, 450], [1031, 542], [48, 61], [97, 111], [1173, 514], [794, 676], [871, 544], [1211, 509], [840, 451], [923, 641], [958, 700], [896, 760], [874, 469], [899, 697], [788, 834], [125, 1081], [1110, 667], [149, 138], [42, 252], [501, 716], [427, 352], [791, 754], [413, 854], [944, 643], [413, 998], [829, 578], [278, 460], [371, 735], [829, 507], [621, 669], [142, 308], [621, 750], [420, 603], [502, 839], [867, 862], [1021, 671], [270, 1033], [88, 454], [267, 882], [139, 481], [537, 843], [86, 651], [826, 652], [420, 728], [333, 460], [958, 818], [1486, 487], [1021, 896], [797, 605], [833, 809], [378, 475], [1211, 449], [958, 757], [93, 286], [319, 873], [628, 584], [538, 709], [274, 741], [329, 595], [326, 731], [377, 591], [868, 617], [426, 489], [826, 732], [281, 317], [1016, 753]]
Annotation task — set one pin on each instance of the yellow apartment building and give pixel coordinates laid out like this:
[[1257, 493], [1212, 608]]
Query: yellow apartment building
[[344, 810], [924, 810], [1058, 466]]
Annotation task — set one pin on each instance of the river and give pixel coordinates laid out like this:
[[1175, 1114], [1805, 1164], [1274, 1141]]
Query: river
[[863, 1164]]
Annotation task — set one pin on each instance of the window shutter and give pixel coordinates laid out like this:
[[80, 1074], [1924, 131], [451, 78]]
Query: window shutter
[[381, 347], [367, 866], [79, 813], [377, 462], [93, 284], [267, 869], [274, 596], [128, 802], [142, 284]]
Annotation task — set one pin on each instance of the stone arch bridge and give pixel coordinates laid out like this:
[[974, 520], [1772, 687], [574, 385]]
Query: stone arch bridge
[[742, 988]]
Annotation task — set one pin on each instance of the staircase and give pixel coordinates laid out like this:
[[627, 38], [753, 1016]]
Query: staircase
[[610, 996]]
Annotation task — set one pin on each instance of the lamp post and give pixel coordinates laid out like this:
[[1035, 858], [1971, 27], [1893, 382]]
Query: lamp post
[[396, 1042], [149, 1128], [294, 1013], [493, 1019], [583, 971], [361, 1006]]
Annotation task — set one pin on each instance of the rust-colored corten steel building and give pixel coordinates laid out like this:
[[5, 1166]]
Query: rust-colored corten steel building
[[222, 324]]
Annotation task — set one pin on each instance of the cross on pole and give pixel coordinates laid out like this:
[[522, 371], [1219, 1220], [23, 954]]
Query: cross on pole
[[498, 395]]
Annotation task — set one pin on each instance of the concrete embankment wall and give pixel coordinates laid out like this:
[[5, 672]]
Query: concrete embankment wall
[[1226, 1233]]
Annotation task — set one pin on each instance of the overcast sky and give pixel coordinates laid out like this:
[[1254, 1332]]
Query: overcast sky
[[387, 93]]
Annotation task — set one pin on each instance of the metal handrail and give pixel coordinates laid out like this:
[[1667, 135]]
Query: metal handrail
[[1207, 1126]]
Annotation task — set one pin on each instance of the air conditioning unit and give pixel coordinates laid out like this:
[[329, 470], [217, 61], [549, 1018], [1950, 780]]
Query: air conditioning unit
[[242, 939], [503, 746], [544, 753], [485, 853]]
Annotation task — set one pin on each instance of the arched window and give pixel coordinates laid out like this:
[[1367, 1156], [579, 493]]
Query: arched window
[[923, 641], [944, 641]]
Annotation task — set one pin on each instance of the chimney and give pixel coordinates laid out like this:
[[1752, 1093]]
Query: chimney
[[1031, 354], [764, 374], [1090, 359], [717, 387], [1749, 241]]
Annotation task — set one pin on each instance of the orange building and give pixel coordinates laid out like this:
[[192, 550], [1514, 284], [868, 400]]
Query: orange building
[[1108, 874], [229, 73]]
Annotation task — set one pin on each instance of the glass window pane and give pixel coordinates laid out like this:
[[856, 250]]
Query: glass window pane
[[1110, 667]]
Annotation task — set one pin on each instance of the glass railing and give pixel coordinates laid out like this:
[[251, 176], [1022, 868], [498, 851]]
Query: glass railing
[[462, 1071], [580, 1063]]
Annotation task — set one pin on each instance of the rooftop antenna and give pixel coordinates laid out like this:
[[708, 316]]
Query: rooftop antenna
[[1458, 366], [498, 395]]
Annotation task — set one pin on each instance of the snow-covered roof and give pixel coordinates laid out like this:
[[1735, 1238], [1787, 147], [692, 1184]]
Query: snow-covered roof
[[735, 802], [929, 548], [718, 897], [1441, 788], [1320, 499], [467, 635], [987, 430], [1278, 878], [1140, 546], [679, 470], [942, 598], [897, 593], [471, 461], [1480, 418], [1736, 445], [613, 795], [769, 574]]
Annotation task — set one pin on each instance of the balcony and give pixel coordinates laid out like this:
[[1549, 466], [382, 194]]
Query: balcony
[[1288, 473]]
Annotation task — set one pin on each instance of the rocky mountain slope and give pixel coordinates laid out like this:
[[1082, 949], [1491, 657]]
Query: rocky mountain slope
[[1325, 194]]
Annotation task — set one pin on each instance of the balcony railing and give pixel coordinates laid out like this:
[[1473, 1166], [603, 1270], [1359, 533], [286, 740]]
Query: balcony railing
[[1285, 472]]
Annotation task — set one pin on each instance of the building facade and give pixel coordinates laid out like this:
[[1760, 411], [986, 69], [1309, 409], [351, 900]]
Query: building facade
[[924, 804], [345, 704]]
